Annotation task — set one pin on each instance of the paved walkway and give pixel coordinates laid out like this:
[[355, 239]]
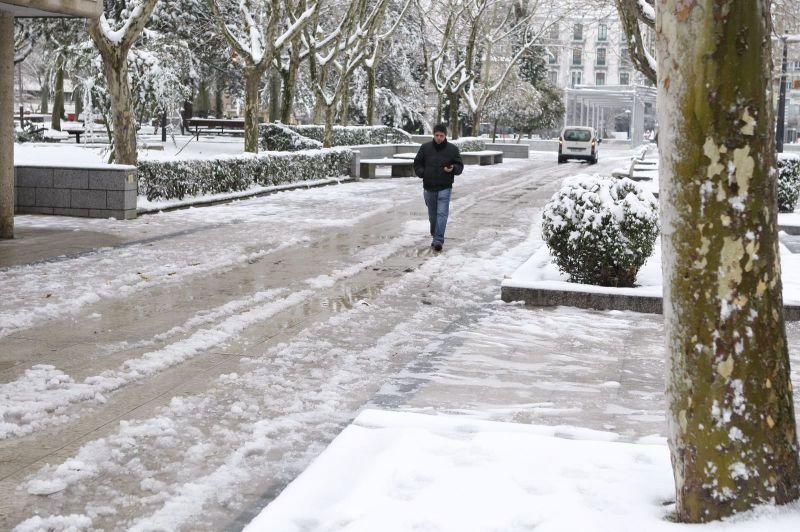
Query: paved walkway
[[184, 397]]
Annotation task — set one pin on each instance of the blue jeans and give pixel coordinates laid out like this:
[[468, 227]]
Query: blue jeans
[[438, 204]]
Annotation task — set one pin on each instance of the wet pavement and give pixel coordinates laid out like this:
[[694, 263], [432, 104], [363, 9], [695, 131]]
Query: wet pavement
[[219, 350]]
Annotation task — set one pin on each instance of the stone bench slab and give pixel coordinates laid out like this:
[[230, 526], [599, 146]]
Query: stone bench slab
[[400, 167]]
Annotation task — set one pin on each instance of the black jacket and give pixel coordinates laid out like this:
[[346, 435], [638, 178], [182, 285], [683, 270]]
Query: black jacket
[[430, 161]]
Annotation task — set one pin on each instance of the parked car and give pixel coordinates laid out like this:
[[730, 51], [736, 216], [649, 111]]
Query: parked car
[[578, 142]]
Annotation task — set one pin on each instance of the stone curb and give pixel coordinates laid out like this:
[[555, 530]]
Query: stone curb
[[551, 297]]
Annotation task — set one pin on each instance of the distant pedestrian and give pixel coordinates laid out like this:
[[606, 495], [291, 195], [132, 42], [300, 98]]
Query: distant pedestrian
[[437, 163]]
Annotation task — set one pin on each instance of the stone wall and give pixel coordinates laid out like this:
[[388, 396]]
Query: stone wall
[[103, 191]]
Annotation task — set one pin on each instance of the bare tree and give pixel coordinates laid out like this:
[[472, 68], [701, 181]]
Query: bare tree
[[256, 40], [732, 431], [337, 54], [636, 16], [114, 45]]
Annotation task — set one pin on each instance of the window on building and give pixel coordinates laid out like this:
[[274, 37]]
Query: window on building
[[577, 32], [552, 57], [602, 32], [552, 75], [577, 56], [624, 78], [554, 32], [601, 57], [600, 78], [575, 78], [624, 55]]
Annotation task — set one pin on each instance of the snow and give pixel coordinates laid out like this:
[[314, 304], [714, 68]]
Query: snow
[[540, 272], [398, 471], [198, 452]]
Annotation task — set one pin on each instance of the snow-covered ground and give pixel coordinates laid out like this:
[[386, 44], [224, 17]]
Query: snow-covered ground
[[397, 472], [281, 318]]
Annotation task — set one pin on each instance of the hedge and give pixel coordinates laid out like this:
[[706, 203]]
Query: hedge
[[354, 135], [178, 178], [277, 137], [788, 181], [469, 144]]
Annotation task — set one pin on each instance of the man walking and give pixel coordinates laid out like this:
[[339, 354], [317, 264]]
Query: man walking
[[437, 163]]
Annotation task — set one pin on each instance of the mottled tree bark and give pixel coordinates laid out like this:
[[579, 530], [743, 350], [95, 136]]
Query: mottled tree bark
[[252, 80], [732, 429]]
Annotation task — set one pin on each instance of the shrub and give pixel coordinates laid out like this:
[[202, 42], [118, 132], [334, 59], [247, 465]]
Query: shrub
[[277, 137], [355, 135], [469, 144], [788, 182], [179, 178], [601, 230]]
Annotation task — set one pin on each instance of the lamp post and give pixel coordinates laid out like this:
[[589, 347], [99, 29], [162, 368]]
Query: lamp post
[[781, 101], [630, 122]]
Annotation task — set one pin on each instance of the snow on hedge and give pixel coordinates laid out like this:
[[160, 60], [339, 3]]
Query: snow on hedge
[[354, 135], [277, 137], [178, 178], [469, 144], [601, 230]]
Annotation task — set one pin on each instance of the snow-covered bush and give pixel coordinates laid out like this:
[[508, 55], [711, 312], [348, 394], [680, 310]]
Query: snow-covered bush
[[469, 144], [355, 135], [600, 230], [179, 178], [277, 137], [788, 181]]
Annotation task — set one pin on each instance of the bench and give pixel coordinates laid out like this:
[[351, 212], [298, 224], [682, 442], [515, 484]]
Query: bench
[[207, 124], [409, 156], [400, 167], [482, 158], [76, 132]]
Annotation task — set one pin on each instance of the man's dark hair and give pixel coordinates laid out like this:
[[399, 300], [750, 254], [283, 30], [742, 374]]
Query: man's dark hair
[[440, 128]]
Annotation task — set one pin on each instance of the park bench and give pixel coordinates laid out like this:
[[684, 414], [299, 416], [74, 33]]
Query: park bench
[[409, 156], [482, 158], [400, 167], [215, 124]]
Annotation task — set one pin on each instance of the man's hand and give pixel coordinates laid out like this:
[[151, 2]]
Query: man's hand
[[448, 169]]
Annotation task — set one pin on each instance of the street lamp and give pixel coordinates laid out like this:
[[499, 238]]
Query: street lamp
[[628, 116], [786, 39], [781, 102]]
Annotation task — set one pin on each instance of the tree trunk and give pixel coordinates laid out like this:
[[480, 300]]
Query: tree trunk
[[252, 80], [218, 103], [439, 107], [371, 84], [124, 132], [731, 420], [344, 109], [476, 123], [58, 95], [77, 98], [6, 125], [494, 130], [274, 96], [454, 133], [327, 138], [44, 96]]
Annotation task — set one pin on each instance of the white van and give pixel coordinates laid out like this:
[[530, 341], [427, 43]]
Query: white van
[[578, 142]]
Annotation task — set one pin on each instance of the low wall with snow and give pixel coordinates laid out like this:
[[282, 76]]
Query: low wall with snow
[[98, 191]]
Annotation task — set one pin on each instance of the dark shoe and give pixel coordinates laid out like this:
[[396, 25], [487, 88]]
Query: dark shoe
[[437, 247]]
